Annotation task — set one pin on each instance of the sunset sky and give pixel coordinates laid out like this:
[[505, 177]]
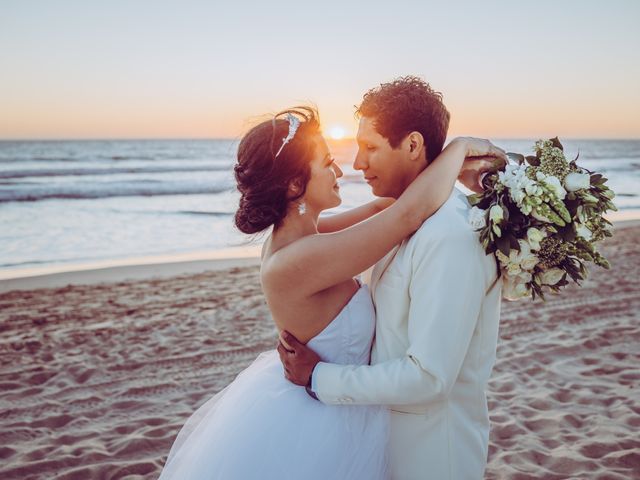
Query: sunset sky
[[204, 69]]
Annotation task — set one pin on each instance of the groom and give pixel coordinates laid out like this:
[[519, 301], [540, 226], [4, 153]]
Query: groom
[[437, 302]]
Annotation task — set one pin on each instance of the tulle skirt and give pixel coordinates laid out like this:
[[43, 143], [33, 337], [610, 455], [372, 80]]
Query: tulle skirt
[[263, 427]]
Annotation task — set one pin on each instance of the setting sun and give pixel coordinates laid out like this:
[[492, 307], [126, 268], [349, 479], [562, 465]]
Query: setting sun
[[336, 132]]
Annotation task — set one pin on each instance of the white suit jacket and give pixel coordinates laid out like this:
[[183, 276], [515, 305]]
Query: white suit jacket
[[437, 302]]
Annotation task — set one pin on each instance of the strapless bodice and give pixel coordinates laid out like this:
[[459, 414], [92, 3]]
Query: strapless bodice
[[347, 339]]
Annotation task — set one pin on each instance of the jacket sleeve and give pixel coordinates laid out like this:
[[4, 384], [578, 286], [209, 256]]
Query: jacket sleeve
[[446, 292]]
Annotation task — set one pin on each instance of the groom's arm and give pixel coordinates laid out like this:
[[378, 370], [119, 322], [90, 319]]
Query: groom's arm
[[447, 289]]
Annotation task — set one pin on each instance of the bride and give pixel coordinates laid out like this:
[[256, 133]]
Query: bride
[[261, 426]]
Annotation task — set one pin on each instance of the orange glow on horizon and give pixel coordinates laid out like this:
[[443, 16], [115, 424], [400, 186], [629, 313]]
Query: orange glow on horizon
[[169, 119]]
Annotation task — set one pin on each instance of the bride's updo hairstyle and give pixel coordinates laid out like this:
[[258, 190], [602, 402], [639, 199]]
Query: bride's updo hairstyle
[[266, 168]]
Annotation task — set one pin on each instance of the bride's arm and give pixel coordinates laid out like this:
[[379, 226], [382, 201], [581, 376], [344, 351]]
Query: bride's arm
[[343, 220], [317, 262]]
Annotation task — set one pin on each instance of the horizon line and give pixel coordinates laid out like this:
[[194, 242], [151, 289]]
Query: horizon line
[[344, 139]]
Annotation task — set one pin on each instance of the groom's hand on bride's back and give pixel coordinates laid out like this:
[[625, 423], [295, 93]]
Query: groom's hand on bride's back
[[297, 359]]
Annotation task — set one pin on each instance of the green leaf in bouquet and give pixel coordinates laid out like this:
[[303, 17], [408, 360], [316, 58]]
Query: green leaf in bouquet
[[568, 232], [555, 218], [536, 290], [561, 210], [517, 219], [505, 210], [533, 160], [572, 204], [562, 283], [504, 245], [583, 270], [498, 266], [485, 203], [556, 143], [595, 179], [474, 199], [574, 269], [586, 256], [513, 242], [516, 157]]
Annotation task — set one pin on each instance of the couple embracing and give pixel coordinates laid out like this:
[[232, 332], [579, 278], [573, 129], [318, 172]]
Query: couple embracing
[[385, 380]]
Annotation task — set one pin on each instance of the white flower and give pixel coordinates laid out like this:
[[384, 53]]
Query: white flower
[[525, 259], [552, 276], [577, 181], [517, 196], [518, 262], [496, 214], [514, 288], [525, 277], [525, 249], [504, 260], [529, 262], [513, 269], [584, 232], [532, 189], [534, 237], [477, 218], [554, 184]]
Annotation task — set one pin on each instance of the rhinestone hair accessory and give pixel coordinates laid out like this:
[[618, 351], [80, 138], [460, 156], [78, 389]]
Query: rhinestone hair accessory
[[294, 123]]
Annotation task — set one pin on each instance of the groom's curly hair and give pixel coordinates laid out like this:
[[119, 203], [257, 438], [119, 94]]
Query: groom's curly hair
[[407, 104]]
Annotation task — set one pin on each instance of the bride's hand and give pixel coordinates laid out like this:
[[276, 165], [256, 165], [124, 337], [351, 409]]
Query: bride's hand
[[480, 147], [474, 170], [482, 157]]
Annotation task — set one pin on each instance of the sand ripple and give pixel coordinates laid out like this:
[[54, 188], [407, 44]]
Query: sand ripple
[[96, 381]]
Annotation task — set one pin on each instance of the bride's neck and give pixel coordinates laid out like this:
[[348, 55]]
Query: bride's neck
[[293, 227]]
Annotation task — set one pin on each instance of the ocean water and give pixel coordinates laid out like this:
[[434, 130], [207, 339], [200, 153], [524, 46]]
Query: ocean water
[[69, 202]]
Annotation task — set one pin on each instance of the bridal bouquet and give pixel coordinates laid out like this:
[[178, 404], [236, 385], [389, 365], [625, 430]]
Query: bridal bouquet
[[542, 216]]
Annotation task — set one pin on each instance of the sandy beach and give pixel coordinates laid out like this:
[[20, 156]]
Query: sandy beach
[[96, 379]]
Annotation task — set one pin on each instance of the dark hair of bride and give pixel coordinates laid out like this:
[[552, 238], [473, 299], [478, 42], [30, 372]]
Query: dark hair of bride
[[407, 104], [263, 178]]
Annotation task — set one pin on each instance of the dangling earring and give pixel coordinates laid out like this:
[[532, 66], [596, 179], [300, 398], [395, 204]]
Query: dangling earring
[[302, 208]]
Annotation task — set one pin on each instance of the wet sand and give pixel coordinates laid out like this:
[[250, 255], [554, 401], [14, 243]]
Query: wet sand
[[97, 379]]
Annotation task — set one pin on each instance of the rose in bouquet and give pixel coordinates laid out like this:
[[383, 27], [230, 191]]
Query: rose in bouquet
[[542, 217]]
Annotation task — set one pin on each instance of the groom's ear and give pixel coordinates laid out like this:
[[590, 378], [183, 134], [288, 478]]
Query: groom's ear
[[414, 144]]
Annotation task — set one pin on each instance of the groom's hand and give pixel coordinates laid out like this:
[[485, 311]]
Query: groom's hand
[[297, 359]]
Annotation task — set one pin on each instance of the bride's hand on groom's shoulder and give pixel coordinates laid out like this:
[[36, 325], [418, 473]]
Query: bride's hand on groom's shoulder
[[480, 148], [481, 157]]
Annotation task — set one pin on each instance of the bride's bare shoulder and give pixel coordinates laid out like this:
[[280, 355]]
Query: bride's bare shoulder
[[278, 258]]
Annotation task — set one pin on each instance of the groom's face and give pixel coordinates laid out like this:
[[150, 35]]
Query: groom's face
[[384, 168]]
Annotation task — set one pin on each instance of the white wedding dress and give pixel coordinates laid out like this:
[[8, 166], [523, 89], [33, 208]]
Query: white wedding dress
[[261, 426]]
